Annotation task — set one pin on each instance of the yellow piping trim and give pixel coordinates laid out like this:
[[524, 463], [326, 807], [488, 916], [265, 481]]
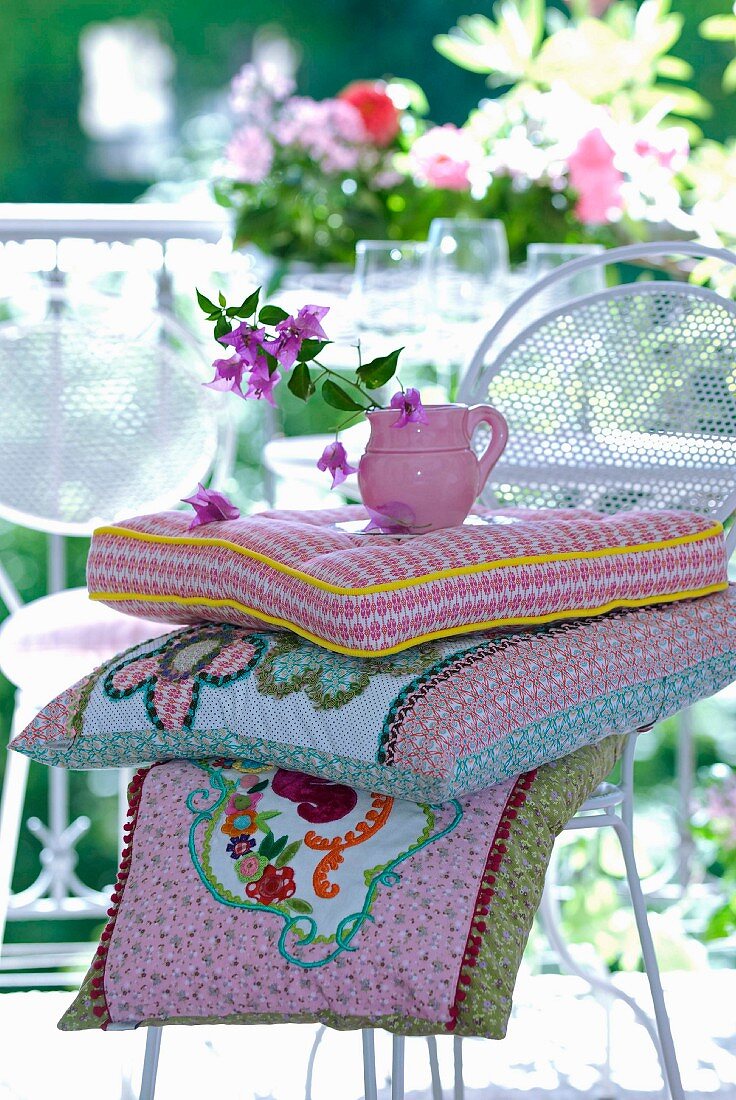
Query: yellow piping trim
[[389, 586], [525, 620]]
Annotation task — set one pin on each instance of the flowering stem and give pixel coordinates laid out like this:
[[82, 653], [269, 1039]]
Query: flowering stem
[[346, 381], [346, 423]]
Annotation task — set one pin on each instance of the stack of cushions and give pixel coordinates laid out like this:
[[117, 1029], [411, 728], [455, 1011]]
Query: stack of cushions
[[357, 799]]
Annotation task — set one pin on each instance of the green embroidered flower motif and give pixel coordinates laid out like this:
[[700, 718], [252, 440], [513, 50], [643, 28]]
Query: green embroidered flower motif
[[328, 679], [251, 868]]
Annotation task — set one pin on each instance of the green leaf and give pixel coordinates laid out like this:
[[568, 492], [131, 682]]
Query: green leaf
[[271, 315], [297, 905], [231, 311], [461, 52], [266, 846], [250, 305], [300, 382], [222, 195], [719, 28], [258, 787], [729, 77], [378, 371], [682, 101], [266, 816], [221, 299], [272, 361], [411, 95], [222, 327], [336, 396], [674, 68], [205, 304], [288, 853], [278, 847], [310, 349]]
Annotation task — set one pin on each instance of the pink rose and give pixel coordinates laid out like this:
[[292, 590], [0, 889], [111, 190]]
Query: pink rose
[[444, 156]]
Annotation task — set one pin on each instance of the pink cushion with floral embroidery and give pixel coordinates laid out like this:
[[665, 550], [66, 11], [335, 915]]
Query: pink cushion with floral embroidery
[[249, 893], [316, 574]]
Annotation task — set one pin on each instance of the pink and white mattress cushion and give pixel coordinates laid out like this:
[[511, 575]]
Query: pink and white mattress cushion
[[311, 573]]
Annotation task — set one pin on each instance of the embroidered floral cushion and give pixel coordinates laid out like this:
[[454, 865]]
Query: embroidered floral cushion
[[315, 574], [432, 722], [250, 894]]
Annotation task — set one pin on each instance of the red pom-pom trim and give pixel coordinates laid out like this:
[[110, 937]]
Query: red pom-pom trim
[[496, 853], [97, 984]]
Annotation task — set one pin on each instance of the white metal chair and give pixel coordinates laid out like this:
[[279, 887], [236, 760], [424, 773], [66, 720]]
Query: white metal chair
[[617, 399], [103, 415]]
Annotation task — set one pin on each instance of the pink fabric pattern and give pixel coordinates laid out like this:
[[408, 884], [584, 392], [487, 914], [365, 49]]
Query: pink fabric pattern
[[174, 949], [171, 678], [378, 594]]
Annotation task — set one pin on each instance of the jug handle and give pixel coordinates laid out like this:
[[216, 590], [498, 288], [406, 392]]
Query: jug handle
[[486, 414]]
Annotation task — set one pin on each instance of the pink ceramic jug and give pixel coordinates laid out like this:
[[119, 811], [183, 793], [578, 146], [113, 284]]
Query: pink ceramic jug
[[422, 477]]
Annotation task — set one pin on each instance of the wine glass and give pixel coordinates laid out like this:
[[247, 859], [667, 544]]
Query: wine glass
[[467, 264], [542, 258], [388, 294]]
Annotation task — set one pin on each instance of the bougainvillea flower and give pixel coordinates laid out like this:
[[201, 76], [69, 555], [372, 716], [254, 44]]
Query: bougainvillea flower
[[261, 383], [292, 331], [307, 322], [394, 518], [210, 507], [285, 348], [247, 341], [380, 116], [228, 375], [335, 459], [411, 409]]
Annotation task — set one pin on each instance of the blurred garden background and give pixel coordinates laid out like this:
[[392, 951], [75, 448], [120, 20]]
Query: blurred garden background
[[119, 102]]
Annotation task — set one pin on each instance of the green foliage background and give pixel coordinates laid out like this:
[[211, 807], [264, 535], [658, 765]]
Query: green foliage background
[[45, 157]]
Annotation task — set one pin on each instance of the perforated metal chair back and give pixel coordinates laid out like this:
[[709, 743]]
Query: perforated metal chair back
[[618, 399], [100, 418]]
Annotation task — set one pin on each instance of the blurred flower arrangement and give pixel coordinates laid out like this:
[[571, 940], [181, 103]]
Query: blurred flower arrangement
[[588, 136], [307, 178], [587, 141]]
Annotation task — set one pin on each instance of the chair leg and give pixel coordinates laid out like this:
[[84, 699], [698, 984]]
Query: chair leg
[[150, 1064], [457, 1057], [397, 1067], [667, 1053], [312, 1058], [434, 1068], [11, 813], [370, 1087]]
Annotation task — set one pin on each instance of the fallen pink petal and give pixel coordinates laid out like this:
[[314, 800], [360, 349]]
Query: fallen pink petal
[[210, 507], [394, 518]]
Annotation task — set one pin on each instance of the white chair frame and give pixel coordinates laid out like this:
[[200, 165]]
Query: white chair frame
[[57, 891], [611, 806]]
